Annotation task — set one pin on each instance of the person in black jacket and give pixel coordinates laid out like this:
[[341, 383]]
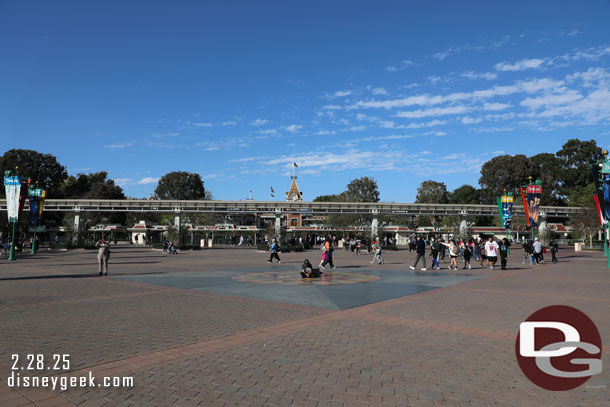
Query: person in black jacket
[[504, 245], [554, 248], [420, 249]]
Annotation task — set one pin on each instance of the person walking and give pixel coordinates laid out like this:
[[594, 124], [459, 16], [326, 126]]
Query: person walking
[[377, 251], [467, 253], [275, 248], [103, 254], [420, 249], [454, 252], [491, 251], [328, 251], [554, 248], [538, 251], [434, 245], [528, 252], [504, 245]]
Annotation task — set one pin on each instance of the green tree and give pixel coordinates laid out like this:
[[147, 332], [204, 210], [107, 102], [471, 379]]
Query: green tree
[[363, 189], [180, 185], [575, 156], [41, 168], [432, 192], [329, 198], [503, 172], [466, 194], [92, 186]]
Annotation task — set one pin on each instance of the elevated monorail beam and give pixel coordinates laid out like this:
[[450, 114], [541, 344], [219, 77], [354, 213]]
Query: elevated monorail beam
[[304, 208]]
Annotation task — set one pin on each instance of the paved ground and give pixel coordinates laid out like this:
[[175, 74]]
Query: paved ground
[[192, 330]]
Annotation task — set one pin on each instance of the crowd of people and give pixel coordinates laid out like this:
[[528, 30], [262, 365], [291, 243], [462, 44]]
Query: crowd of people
[[482, 251]]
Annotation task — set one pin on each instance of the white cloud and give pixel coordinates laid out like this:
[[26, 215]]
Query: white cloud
[[404, 64], [268, 131], [380, 91], [496, 106], [342, 93], [118, 146], [356, 128], [530, 86], [552, 99], [471, 120], [323, 133], [123, 181], [259, 122], [434, 111], [293, 128], [229, 123], [590, 76], [202, 124], [148, 180], [482, 46], [485, 75], [522, 65]]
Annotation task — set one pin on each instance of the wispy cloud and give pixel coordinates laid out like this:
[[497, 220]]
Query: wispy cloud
[[522, 65], [202, 124], [293, 128], [380, 91], [434, 111], [229, 123], [481, 46], [474, 75], [118, 146], [404, 64], [259, 122], [148, 180]]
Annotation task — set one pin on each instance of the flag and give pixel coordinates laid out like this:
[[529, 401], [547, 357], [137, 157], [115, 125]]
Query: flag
[[272, 192], [534, 192], [507, 209], [295, 165], [35, 195], [12, 185]]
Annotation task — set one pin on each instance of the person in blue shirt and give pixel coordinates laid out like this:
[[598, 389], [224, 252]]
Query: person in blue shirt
[[275, 248]]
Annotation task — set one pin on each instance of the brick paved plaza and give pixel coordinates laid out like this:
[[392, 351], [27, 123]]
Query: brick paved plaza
[[222, 327]]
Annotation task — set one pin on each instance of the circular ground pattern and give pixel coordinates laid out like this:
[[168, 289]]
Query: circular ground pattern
[[293, 278]]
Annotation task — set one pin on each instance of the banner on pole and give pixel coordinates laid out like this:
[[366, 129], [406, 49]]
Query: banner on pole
[[12, 188], [507, 210], [25, 186], [35, 196], [534, 191]]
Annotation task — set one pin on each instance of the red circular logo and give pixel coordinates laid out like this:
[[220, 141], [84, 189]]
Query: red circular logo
[[559, 348]]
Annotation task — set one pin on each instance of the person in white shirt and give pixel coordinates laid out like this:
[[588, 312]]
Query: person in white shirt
[[538, 251], [491, 251]]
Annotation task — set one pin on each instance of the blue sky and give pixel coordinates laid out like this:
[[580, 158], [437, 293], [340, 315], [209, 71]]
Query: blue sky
[[238, 90]]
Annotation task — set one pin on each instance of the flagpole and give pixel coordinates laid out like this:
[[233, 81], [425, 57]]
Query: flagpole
[[11, 255]]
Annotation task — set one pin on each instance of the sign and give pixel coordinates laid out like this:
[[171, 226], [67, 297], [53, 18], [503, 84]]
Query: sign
[[565, 336]]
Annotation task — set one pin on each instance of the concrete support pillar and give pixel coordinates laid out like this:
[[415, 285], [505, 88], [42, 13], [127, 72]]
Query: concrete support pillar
[[76, 236], [463, 224], [375, 224], [178, 222], [278, 225]]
